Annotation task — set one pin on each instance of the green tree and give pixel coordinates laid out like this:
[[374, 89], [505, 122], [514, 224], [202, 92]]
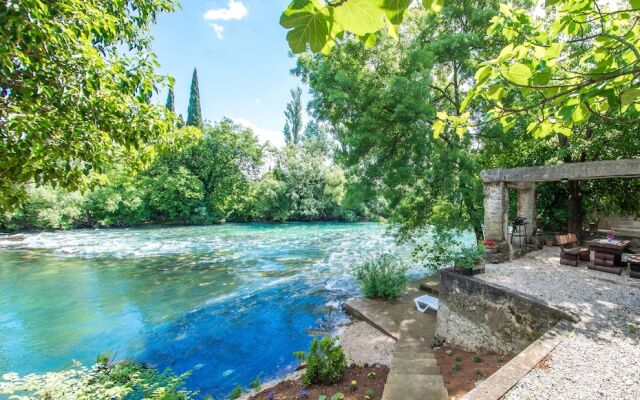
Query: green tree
[[293, 115], [171, 100], [122, 202], [70, 98], [382, 101], [176, 194], [212, 176], [581, 60], [194, 112], [305, 186], [46, 208]]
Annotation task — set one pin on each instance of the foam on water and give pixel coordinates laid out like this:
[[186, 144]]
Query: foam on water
[[235, 299]]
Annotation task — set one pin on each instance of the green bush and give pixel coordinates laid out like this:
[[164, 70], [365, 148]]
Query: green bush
[[326, 362], [104, 381], [383, 278], [445, 249]]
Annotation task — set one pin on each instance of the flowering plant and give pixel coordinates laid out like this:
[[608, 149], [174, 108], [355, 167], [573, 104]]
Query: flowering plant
[[489, 243]]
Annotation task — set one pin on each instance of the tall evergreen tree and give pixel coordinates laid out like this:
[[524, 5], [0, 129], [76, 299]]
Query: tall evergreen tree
[[194, 112], [171, 101], [293, 114]]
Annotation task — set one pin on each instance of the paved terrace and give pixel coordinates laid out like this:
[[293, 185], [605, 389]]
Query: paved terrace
[[600, 359]]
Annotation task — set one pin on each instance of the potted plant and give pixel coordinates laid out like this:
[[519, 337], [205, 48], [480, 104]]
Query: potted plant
[[468, 259], [490, 246], [549, 241]]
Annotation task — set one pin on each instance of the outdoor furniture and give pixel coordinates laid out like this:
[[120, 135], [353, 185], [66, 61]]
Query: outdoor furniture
[[608, 254], [634, 266], [423, 303], [570, 251]]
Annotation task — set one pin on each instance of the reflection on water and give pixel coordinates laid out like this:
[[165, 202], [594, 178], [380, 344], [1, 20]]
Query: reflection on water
[[226, 302]]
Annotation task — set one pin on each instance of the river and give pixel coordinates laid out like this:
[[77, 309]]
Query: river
[[227, 302]]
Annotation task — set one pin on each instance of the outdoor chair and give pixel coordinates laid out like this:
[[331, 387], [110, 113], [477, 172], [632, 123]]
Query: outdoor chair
[[423, 303], [571, 251]]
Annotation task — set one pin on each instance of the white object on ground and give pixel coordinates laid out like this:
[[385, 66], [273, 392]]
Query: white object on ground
[[423, 303]]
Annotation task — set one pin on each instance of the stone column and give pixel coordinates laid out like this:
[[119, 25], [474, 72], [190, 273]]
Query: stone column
[[527, 206], [496, 212]]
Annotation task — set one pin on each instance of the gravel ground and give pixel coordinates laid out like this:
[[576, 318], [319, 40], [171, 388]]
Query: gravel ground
[[601, 358], [363, 343]]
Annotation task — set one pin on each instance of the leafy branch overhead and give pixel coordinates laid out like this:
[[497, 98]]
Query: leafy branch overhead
[[316, 25], [576, 60]]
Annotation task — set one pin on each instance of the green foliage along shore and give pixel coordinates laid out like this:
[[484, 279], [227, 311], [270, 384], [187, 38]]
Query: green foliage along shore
[[224, 175]]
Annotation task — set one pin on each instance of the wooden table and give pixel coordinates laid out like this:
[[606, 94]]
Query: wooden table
[[608, 254]]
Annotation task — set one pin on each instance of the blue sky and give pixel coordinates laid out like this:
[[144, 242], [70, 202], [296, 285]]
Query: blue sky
[[242, 58]]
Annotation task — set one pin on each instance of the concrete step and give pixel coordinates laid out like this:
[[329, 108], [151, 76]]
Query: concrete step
[[413, 345], [431, 285], [414, 356], [421, 369], [414, 379], [427, 362], [411, 392]]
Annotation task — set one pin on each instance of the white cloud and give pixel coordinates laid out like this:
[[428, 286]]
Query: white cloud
[[234, 11], [219, 30], [264, 135]]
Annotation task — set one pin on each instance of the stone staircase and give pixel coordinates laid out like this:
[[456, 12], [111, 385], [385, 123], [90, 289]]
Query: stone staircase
[[414, 373]]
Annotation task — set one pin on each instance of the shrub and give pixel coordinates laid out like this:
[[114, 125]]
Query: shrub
[[235, 393], [123, 380], [456, 367], [326, 362], [477, 359], [255, 384], [383, 278], [446, 250]]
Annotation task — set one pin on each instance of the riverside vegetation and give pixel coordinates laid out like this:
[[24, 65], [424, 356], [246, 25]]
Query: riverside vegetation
[[215, 179]]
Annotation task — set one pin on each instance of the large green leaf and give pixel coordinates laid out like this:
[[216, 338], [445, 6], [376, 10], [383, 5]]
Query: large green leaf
[[518, 74], [360, 16], [629, 96], [580, 114], [308, 24], [395, 9]]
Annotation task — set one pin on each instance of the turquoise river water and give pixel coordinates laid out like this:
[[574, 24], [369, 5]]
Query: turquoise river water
[[226, 302]]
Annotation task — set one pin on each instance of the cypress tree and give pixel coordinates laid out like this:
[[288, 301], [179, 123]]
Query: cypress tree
[[171, 101], [194, 112]]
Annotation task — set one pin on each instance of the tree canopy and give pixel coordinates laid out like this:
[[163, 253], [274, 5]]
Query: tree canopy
[[381, 103], [75, 82], [578, 59]]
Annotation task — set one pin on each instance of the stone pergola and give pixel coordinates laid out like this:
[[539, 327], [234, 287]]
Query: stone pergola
[[498, 181]]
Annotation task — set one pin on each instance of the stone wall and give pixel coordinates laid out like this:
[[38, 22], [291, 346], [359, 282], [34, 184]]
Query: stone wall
[[476, 315]]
